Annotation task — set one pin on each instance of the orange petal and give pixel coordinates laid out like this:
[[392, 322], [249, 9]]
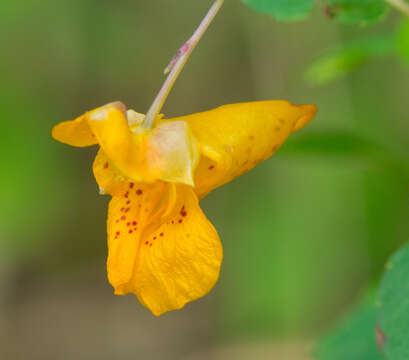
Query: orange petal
[[109, 178], [161, 246], [75, 133], [110, 126], [234, 138], [168, 152]]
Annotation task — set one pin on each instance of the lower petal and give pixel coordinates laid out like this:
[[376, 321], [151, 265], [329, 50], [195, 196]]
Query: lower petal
[[108, 177], [172, 255]]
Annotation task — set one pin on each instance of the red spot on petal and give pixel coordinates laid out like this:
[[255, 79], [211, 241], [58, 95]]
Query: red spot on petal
[[173, 221], [146, 243], [117, 233], [211, 167], [128, 224], [161, 234], [122, 209], [123, 217], [106, 165], [117, 221], [126, 194], [139, 192], [150, 244], [131, 185], [127, 209], [134, 223], [130, 231], [183, 213], [180, 221], [154, 238], [128, 202]]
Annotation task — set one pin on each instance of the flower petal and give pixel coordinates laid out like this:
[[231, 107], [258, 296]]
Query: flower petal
[[234, 138], [108, 177], [75, 133], [168, 152], [161, 246], [110, 126], [173, 151]]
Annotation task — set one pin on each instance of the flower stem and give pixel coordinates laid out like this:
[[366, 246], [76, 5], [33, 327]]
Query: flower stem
[[177, 63], [400, 5]]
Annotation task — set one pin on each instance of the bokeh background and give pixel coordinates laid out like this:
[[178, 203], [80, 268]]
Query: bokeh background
[[304, 233]]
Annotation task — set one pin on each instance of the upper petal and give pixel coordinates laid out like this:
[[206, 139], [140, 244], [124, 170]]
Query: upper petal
[[125, 151], [168, 152], [234, 138], [204, 150], [162, 248], [173, 152], [74, 132]]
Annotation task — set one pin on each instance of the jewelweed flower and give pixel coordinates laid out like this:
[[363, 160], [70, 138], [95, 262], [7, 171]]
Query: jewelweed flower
[[161, 246]]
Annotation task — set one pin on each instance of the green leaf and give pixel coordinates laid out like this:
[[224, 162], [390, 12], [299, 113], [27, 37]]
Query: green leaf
[[393, 301], [354, 338], [339, 61], [285, 10], [361, 12], [402, 42]]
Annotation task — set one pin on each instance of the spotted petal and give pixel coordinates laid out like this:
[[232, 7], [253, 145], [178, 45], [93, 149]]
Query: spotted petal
[[234, 138], [161, 246]]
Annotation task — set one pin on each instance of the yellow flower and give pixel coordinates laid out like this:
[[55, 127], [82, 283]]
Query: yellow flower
[[161, 246]]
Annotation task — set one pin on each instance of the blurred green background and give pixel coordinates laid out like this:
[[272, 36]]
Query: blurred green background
[[303, 233]]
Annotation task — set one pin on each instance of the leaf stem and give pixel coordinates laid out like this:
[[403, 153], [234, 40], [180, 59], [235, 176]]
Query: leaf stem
[[400, 5], [177, 63]]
